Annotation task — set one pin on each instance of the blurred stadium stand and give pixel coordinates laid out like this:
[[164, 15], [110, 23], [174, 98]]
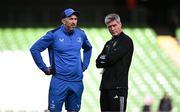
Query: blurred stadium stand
[[171, 46], [47, 13], [152, 71]]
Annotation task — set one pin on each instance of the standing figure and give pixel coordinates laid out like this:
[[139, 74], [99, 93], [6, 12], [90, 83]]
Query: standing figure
[[66, 66], [115, 59], [165, 104]]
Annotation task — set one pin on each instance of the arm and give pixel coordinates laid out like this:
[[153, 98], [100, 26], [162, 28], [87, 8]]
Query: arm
[[86, 53], [160, 105], [119, 51], [100, 61], [116, 52], [39, 46]]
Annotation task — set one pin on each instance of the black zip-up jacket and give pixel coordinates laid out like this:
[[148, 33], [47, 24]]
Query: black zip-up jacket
[[115, 59]]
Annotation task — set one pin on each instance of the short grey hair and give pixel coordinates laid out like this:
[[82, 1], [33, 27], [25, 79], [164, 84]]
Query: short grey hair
[[112, 17]]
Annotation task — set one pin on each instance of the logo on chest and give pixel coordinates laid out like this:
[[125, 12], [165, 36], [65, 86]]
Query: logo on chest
[[79, 40], [61, 39]]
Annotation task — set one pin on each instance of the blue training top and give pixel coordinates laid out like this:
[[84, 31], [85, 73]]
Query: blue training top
[[64, 53]]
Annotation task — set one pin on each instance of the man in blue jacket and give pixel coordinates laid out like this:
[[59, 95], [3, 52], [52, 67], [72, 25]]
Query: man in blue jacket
[[66, 66]]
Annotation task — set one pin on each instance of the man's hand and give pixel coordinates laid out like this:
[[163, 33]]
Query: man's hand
[[102, 57], [49, 71]]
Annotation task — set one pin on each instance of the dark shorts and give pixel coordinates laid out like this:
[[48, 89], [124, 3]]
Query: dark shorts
[[113, 100]]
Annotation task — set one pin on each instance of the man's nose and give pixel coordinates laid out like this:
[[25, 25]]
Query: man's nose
[[112, 28], [73, 21]]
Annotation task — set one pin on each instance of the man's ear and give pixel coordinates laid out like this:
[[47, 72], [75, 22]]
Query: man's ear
[[63, 21]]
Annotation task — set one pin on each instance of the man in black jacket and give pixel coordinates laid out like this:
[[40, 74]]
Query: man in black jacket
[[115, 59]]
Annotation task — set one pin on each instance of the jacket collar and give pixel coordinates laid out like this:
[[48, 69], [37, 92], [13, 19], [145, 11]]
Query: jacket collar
[[65, 30], [120, 35]]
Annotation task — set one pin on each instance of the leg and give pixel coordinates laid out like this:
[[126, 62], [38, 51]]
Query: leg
[[104, 101], [57, 95], [122, 104], [73, 99], [118, 99], [113, 100]]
